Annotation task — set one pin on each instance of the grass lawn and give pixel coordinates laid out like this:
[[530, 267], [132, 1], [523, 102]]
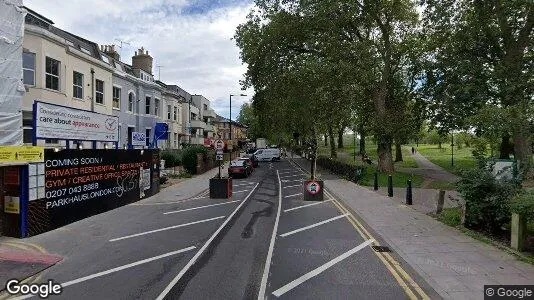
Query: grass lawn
[[463, 158], [441, 185]]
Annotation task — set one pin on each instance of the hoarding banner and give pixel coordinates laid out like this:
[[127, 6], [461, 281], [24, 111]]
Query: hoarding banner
[[65, 123], [21, 154], [82, 183]]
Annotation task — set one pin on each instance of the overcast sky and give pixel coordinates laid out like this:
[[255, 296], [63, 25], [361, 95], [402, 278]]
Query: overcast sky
[[191, 39]]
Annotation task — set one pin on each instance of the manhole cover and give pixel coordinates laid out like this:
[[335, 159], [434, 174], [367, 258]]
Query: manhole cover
[[381, 248]]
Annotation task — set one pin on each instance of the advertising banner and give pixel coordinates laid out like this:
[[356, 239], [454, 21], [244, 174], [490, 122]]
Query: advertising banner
[[65, 123], [82, 183], [138, 139]]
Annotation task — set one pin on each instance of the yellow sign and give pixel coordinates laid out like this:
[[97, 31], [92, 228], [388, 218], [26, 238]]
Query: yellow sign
[[21, 154], [11, 205]]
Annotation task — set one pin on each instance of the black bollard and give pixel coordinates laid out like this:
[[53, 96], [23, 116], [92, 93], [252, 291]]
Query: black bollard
[[409, 193], [390, 186], [376, 182]]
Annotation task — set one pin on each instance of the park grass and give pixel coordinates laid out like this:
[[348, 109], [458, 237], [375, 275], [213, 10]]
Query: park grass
[[463, 158], [441, 185], [451, 216]]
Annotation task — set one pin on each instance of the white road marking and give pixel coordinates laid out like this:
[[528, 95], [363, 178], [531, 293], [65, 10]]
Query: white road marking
[[287, 180], [236, 185], [265, 276], [165, 228], [313, 225], [289, 196], [198, 207], [290, 186], [293, 284], [130, 265], [201, 197], [291, 176], [289, 172], [204, 247], [245, 182], [240, 191], [311, 204]]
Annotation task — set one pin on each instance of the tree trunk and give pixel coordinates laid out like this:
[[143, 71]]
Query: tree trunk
[[506, 147], [385, 159], [439, 144], [314, 155], [362, 139], [340, 138], [398, 152], [522, 147], [325, 140], [333, 151]]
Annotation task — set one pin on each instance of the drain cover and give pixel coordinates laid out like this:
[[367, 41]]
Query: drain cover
[[381, 248]]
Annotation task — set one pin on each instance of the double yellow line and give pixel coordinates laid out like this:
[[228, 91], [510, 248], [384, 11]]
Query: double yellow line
[[410, 287]]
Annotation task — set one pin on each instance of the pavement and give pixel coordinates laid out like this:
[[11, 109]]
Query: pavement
[[453, 264], [423, 200], [429, 170]]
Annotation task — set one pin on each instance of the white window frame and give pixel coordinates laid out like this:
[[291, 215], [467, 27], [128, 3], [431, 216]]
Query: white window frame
[[156, 106], [98, 92], [175, 118], [113, 97], [149, 98], [169, 112], [54, 75], [132, 110], [74, 85], [26, 69]]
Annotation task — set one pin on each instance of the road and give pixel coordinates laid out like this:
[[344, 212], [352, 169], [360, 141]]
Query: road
[[265, 242]]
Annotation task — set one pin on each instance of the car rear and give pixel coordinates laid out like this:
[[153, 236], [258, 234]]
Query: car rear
[[238, 167]]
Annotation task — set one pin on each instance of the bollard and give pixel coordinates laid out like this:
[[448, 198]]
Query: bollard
[[376, 182], [409, 193], [441, 202], [390, 186]]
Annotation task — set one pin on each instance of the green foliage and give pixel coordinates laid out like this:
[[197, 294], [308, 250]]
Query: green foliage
[[433, 137], [185, 174], [349, 172], [463, 158], [523, 204], [451, 216], [189, 158], [480, 151], [163, 179], [487, 200], [172, 157]]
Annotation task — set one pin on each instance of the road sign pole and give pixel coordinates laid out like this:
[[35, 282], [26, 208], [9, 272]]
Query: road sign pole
[[219, 169]]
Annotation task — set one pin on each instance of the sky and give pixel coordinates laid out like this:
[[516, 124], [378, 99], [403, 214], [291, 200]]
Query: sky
[[190, 39]]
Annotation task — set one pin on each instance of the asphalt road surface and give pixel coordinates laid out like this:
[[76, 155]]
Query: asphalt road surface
[[264, 243]]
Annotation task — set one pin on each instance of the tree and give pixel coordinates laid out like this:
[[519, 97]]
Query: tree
[[248, 117]]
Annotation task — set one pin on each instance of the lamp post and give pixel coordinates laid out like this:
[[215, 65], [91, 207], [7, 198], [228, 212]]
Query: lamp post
[[190, 99], [230, 135]]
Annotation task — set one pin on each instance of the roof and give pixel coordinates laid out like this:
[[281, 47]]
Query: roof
[[221, 119]]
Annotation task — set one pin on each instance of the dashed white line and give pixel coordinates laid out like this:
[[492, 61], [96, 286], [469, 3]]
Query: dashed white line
[[240, 191], [311, 204], [313, 225], [165, 228], [198, 207], [293, 284], [204, 247], [291, 176], [290, 186], [265, 276], [289, 196]]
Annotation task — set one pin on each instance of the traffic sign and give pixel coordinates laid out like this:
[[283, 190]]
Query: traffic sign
[[313, 187], [219, 144], [219, 157]]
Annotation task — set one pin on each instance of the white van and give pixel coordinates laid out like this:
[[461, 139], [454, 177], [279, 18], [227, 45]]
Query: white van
[[267, 154]]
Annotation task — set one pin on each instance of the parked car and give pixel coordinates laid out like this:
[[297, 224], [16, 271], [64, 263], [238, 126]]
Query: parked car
[[269, 154], [249, 162], [239, 167], [253, 159]]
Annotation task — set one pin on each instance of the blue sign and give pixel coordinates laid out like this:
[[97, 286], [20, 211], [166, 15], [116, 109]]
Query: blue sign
[[161, 132]]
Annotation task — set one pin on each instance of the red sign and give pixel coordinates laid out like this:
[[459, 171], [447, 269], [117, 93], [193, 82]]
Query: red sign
[[313, 187]]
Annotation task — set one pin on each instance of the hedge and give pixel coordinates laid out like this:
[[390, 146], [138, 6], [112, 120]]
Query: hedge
[[189, 158], [350, 172]]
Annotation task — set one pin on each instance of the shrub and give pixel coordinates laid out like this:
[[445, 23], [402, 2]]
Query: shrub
[[163, 179], [172, 157], [189, 158], [523, 204], [350, 172], [487, 200]]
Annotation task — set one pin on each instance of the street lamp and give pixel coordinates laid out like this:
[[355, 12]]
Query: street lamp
[[230, 135]]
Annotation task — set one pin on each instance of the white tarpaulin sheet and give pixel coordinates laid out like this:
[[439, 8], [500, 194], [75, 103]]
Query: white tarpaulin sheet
[[11, 87]]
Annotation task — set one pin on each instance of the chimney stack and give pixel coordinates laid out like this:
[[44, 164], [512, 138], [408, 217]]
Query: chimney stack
[[110, 51], [141, 60]]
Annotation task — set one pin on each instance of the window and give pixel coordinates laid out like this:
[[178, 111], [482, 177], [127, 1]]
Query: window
[[28, 68], [130, 130], [147, 106], [156, 107], [52, 74], [77, 85], [175, 139], [85, 50], [116, 97], [99, 91], [27, 134], [175, 113], [131, 102], [205, 107], [147, 131], [169, 112]]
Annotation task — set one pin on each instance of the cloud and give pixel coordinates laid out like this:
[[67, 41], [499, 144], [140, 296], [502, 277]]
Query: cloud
[[190, 39]]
